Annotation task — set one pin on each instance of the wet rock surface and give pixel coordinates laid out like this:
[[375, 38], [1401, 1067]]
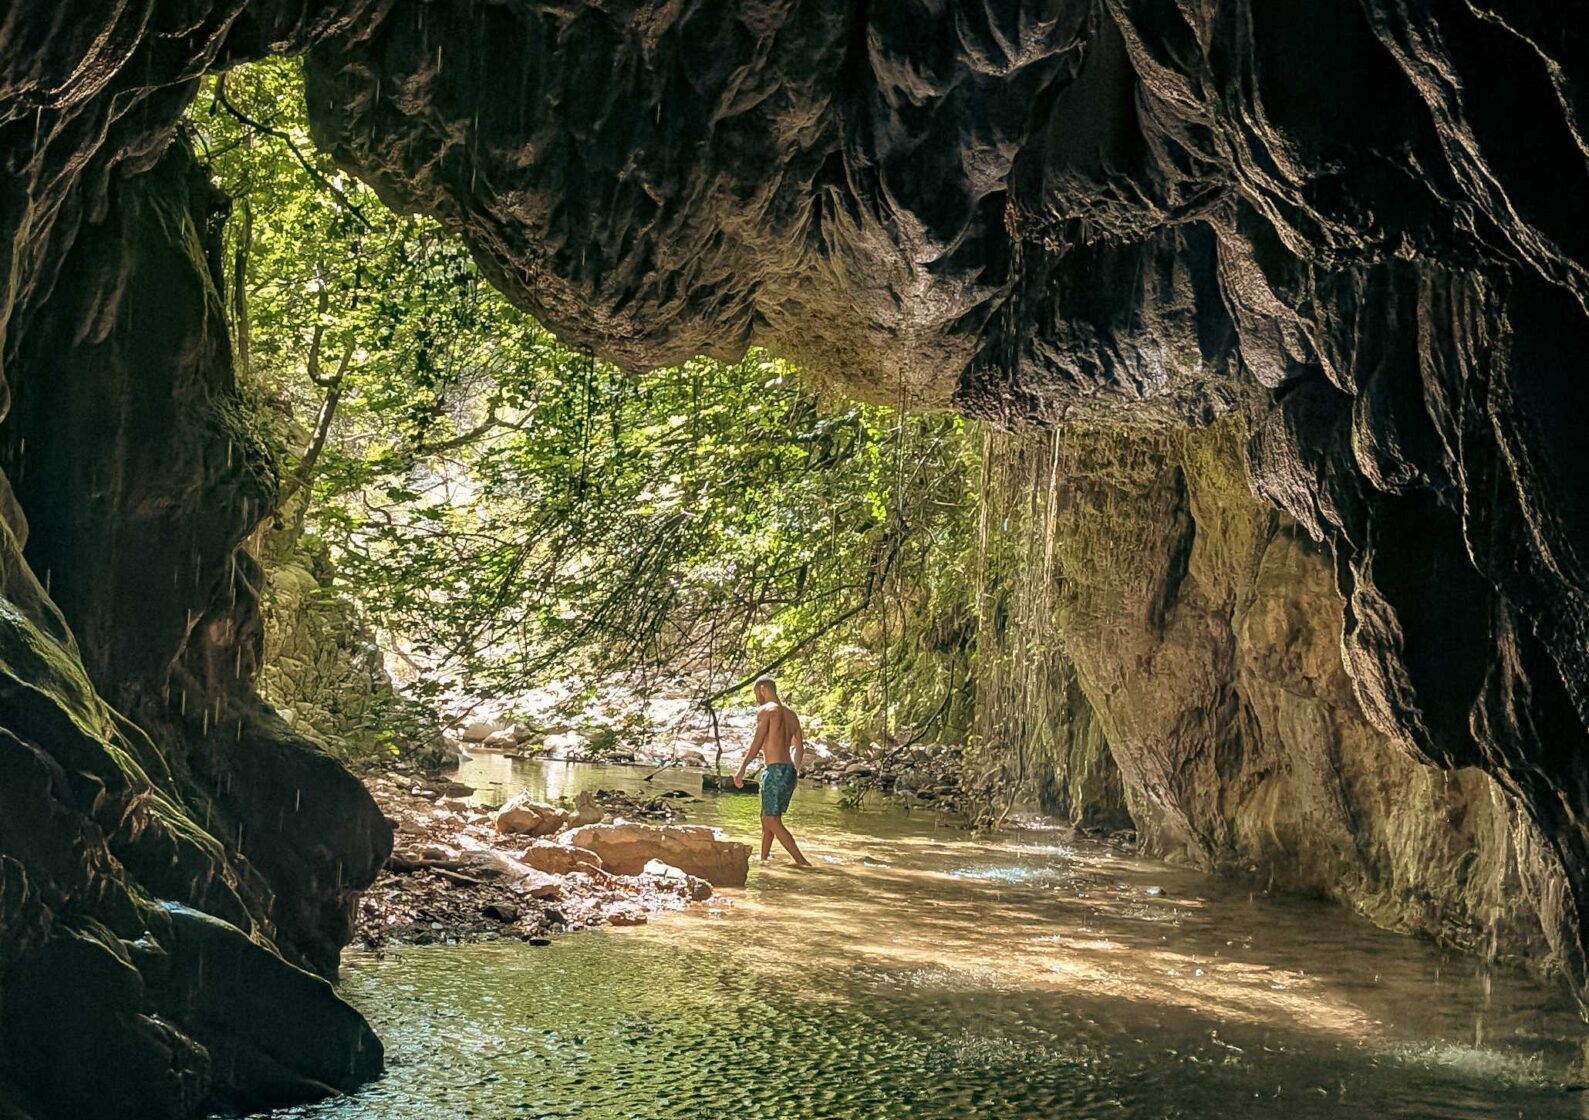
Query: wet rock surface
[[178, 870], [1204, 632]]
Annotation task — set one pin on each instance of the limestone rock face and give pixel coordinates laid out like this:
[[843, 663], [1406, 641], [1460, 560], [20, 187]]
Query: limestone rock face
[[1204, 629], [321, 666], [177, 868]]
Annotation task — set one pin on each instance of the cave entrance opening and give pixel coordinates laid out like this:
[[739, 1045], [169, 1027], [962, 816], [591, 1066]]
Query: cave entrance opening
[[533, 538]]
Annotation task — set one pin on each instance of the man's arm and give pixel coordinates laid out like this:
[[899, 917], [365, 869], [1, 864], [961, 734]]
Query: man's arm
[[762, 723]]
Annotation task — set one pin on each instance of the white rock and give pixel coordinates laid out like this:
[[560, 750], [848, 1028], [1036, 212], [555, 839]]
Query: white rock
[[698, 890], [481, 730]]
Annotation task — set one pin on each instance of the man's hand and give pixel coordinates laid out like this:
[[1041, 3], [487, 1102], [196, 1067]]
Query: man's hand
[[739, 781]]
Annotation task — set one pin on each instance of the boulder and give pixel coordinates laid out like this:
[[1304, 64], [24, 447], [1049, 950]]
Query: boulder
[[481, 730], [560, 859], [523, 817], [626, 914], [697, 850], [565, 744], [586, 811], [697, 890], [504, 740], [537, 884]]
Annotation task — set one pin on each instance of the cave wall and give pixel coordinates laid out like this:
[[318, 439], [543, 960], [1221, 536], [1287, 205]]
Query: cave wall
[[1036, 742], [1206, 628], [1357, 227], [321, 666], [177, 868]]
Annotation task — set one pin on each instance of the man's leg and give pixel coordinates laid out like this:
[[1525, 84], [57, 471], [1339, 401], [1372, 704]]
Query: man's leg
[[786, 839], [766, 837]]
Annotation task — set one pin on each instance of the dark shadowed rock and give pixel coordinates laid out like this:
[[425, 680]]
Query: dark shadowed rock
[[175, 864]]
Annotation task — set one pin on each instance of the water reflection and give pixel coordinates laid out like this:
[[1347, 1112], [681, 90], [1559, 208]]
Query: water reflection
[[918, 972]]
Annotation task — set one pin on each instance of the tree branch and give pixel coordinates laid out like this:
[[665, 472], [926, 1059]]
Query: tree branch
[[320, 180]]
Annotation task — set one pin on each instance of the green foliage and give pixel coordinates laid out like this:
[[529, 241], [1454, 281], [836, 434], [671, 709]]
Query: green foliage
[[506, 510]]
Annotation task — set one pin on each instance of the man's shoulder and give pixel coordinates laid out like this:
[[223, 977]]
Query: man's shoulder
[[768, 708]]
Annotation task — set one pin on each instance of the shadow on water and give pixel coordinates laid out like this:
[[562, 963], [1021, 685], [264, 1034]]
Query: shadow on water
[[919, 972]]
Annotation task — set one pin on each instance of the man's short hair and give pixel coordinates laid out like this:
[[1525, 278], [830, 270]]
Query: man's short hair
[[768, 680]]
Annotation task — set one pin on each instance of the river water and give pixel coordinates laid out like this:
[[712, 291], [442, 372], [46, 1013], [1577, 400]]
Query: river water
[[919, 972]]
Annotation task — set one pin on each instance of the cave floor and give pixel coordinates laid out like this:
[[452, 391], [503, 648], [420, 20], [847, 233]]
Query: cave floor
[[921, 972]]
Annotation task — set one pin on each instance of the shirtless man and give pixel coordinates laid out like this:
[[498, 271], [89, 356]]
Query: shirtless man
[[777, 733]]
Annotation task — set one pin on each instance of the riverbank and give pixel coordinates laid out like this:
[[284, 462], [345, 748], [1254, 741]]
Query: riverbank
[[671, 729], [460, 872]]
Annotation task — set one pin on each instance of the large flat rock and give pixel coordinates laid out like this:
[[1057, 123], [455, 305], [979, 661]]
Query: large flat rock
[[696, 849]]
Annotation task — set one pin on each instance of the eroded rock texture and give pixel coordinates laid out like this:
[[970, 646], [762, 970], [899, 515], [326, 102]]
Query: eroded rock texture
[[177, 870], [1357, 226], [1352, 230], [1204, 630], [322, 669]]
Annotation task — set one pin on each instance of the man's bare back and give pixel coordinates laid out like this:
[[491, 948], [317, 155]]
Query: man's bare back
[[783, 731]]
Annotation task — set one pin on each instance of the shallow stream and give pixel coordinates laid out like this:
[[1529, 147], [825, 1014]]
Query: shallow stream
[[919, 972]]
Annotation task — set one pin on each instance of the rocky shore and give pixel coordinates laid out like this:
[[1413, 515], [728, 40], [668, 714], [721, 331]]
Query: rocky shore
[[461, 871], [671, 731]]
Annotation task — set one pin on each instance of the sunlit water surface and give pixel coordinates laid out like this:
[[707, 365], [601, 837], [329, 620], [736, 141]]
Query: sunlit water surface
[[918, 972]]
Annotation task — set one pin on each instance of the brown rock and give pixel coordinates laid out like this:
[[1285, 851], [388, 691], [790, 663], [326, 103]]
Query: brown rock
[[521, 816], [560, 859], [698, 850], [626, 915], [586, 811]]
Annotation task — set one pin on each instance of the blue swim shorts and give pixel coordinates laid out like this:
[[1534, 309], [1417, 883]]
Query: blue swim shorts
[[777, 787]]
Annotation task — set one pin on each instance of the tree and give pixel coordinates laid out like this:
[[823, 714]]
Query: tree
[[508, 510]]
